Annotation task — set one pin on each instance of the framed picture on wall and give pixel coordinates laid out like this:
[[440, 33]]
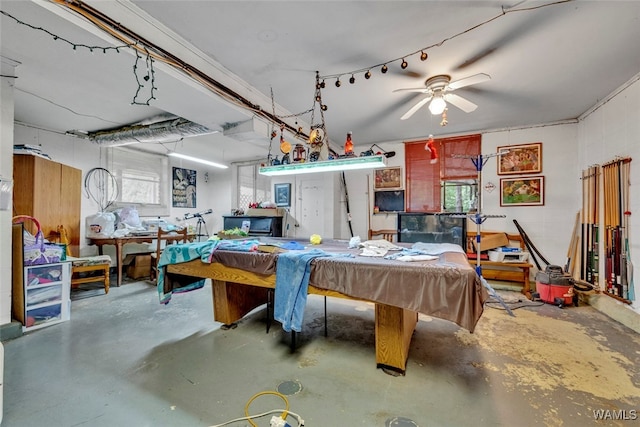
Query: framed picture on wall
[[388, 179], [520, 159], [522, 191], [183, 189], [282, 194]]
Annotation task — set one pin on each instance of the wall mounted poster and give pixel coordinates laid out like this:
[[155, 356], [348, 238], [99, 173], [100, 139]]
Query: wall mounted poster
[[520, 159], [183, 194], [282, 194]]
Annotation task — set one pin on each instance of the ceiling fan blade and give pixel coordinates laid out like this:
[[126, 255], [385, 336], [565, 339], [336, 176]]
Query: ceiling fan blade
[[468, 81], [463, 104], [412, 89], [416, 107]]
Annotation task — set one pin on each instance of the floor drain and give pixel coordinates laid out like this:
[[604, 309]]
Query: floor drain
[[289, 388], [400, 422]]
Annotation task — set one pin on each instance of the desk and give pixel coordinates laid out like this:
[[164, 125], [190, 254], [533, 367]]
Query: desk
[[119, 243], [447, 288]]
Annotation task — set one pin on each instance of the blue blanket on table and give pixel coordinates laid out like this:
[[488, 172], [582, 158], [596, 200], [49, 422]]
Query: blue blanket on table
[[175, 254], [292, 282]]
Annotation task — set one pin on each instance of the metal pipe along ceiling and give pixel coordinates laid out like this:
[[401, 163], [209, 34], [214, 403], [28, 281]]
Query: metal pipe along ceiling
[[168, 130]]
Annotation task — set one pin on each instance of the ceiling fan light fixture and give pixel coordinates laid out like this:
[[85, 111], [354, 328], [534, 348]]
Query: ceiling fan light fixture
[[437, 105]]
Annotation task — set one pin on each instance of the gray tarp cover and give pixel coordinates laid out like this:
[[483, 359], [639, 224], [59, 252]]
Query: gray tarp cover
[[446, 288]]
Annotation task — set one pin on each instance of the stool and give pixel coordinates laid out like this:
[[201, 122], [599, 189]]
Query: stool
[[97, 269]]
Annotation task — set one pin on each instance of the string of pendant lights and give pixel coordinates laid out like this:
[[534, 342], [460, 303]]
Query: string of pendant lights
[[145, 82], [146, 54], [423, 54]]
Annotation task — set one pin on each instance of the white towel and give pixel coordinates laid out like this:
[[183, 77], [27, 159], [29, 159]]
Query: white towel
[[416, 258], [372, 251], [380, 243]]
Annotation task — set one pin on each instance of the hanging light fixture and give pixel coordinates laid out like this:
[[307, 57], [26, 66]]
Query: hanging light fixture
[[341, 164], [437, 104]]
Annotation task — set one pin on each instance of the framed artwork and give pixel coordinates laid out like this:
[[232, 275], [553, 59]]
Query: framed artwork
[[388, 179], [520, 159], [522, 191], [183, 189], [282, 194]]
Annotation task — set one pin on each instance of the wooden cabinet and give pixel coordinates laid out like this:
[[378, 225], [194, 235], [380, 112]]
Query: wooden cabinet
[[50, 192]]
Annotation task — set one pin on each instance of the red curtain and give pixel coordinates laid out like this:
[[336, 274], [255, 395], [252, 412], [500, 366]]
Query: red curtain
[[423, 177]]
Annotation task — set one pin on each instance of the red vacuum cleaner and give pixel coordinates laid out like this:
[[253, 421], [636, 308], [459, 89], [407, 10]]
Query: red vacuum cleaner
[[554, 286]]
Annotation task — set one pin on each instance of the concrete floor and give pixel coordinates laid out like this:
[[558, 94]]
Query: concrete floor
[[126, 360]]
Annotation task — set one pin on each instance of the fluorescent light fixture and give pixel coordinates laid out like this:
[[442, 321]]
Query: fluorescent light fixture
[[197, 160], [343, 164]]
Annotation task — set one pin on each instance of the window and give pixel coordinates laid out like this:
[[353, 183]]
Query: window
[[448, 185], [252, 187], [143, 180], [459, 196]]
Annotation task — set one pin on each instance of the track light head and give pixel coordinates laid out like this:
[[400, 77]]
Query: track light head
[[367, 75], [384, 69], [338, 83], [423, 56], [352, 80], [404, 64]]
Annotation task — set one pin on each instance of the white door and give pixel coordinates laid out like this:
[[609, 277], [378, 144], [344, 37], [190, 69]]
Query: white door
[[312, 216]]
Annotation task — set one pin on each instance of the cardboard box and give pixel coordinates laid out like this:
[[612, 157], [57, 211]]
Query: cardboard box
[[138, 265], [265, 212], [491, 241]]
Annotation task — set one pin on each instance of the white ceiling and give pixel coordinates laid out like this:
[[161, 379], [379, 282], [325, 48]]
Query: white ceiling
[[547, 65]]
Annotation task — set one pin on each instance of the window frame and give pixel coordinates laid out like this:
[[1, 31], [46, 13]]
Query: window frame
[[425, 180], [120, 159], [259, 185]]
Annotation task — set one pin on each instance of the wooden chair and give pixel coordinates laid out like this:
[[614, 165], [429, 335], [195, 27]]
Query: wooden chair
[[386, 234], [161, 242]]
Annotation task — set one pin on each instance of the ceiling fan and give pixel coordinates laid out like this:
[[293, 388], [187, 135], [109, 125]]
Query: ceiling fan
[[438, 90]]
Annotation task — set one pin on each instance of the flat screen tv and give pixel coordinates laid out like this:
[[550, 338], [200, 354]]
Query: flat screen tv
[[389, 201]]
